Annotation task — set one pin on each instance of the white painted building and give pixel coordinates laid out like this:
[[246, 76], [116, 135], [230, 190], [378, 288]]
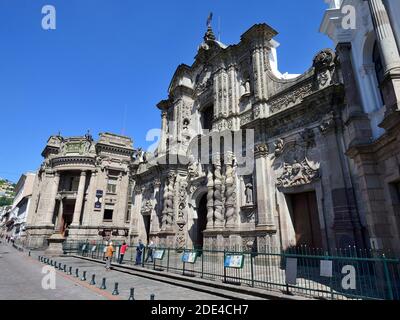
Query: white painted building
[[20, 207]]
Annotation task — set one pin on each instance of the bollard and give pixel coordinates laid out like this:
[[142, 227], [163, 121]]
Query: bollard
[[132, 296], [39, 258], [83, 276], [60, 266], [70, 271], [77, 272], [115, 292], [152, 296], [93, 282], [65, 268], [29, 253], [103, 284]]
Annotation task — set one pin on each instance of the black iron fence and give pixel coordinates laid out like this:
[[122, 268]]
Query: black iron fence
[[343, 274]]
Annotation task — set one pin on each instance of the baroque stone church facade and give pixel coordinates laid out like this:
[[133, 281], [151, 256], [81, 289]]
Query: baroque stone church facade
[[249, 158], [300, 190]]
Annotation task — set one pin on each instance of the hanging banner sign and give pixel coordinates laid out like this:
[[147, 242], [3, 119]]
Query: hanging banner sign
[[98, 199]]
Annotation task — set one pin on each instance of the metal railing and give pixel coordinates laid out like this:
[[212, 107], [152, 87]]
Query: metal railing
[[343, 274]]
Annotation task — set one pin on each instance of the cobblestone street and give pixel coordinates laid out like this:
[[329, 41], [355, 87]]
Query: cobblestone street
[[21, 278]]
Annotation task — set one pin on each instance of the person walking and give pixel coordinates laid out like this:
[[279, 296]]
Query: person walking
[[104, 251], [151, 252], [109, 255], [139, 252], [122, 252]]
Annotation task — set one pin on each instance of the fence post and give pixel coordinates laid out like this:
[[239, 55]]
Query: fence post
[[387, 277], [202, 263], [224, 267], [143, 256], [168, 260], [252, 270]]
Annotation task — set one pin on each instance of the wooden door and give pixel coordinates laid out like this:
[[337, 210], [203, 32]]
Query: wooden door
[[306, 219]]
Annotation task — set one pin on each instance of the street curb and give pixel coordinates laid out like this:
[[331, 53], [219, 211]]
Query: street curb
[[208, 285]]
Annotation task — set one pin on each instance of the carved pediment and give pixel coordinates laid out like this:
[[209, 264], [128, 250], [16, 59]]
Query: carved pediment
[[297, 173]]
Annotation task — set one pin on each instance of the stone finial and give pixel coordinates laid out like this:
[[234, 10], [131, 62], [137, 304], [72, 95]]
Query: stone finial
[[324, 59]]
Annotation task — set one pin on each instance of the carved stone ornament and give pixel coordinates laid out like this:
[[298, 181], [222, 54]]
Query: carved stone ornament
[[324, 59], [328, 123], [279, 146], [157, 183], [297, 173], [193, 169], [260, 150], [147, 207], [286, 100], [323, 64], [138, 189]]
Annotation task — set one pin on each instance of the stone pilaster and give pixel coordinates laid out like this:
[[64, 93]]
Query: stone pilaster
[[79, 199], [163, 144], [155, 225], [89, 206], [265, 215], [346, 222], [52, 198], [359, 129], [59, 225], [134, 223], [221, 93], [390, 55], [259, 57]]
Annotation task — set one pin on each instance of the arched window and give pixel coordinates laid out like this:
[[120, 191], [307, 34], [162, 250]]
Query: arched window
[[377, 60]]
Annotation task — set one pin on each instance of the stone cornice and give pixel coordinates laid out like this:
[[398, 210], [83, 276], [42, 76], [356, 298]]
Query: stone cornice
[[371, 148], [100, 147]]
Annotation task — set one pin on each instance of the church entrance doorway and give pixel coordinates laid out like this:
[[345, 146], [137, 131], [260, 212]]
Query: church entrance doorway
[[306, 219], [201, 222]]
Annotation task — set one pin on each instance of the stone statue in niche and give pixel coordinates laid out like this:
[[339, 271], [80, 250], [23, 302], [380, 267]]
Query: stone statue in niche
[[185, 134], [186, 124], [245, 87], [249, 194]]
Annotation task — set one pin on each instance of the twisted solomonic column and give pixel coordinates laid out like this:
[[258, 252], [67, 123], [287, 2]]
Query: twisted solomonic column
[[219, 216], [210, 199], [168, 212], [230, 193]]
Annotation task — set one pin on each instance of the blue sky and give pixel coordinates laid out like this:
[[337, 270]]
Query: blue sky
[[110, 60]]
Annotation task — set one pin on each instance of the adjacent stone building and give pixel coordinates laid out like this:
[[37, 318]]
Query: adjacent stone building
[[82, 189], [370, 60]]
